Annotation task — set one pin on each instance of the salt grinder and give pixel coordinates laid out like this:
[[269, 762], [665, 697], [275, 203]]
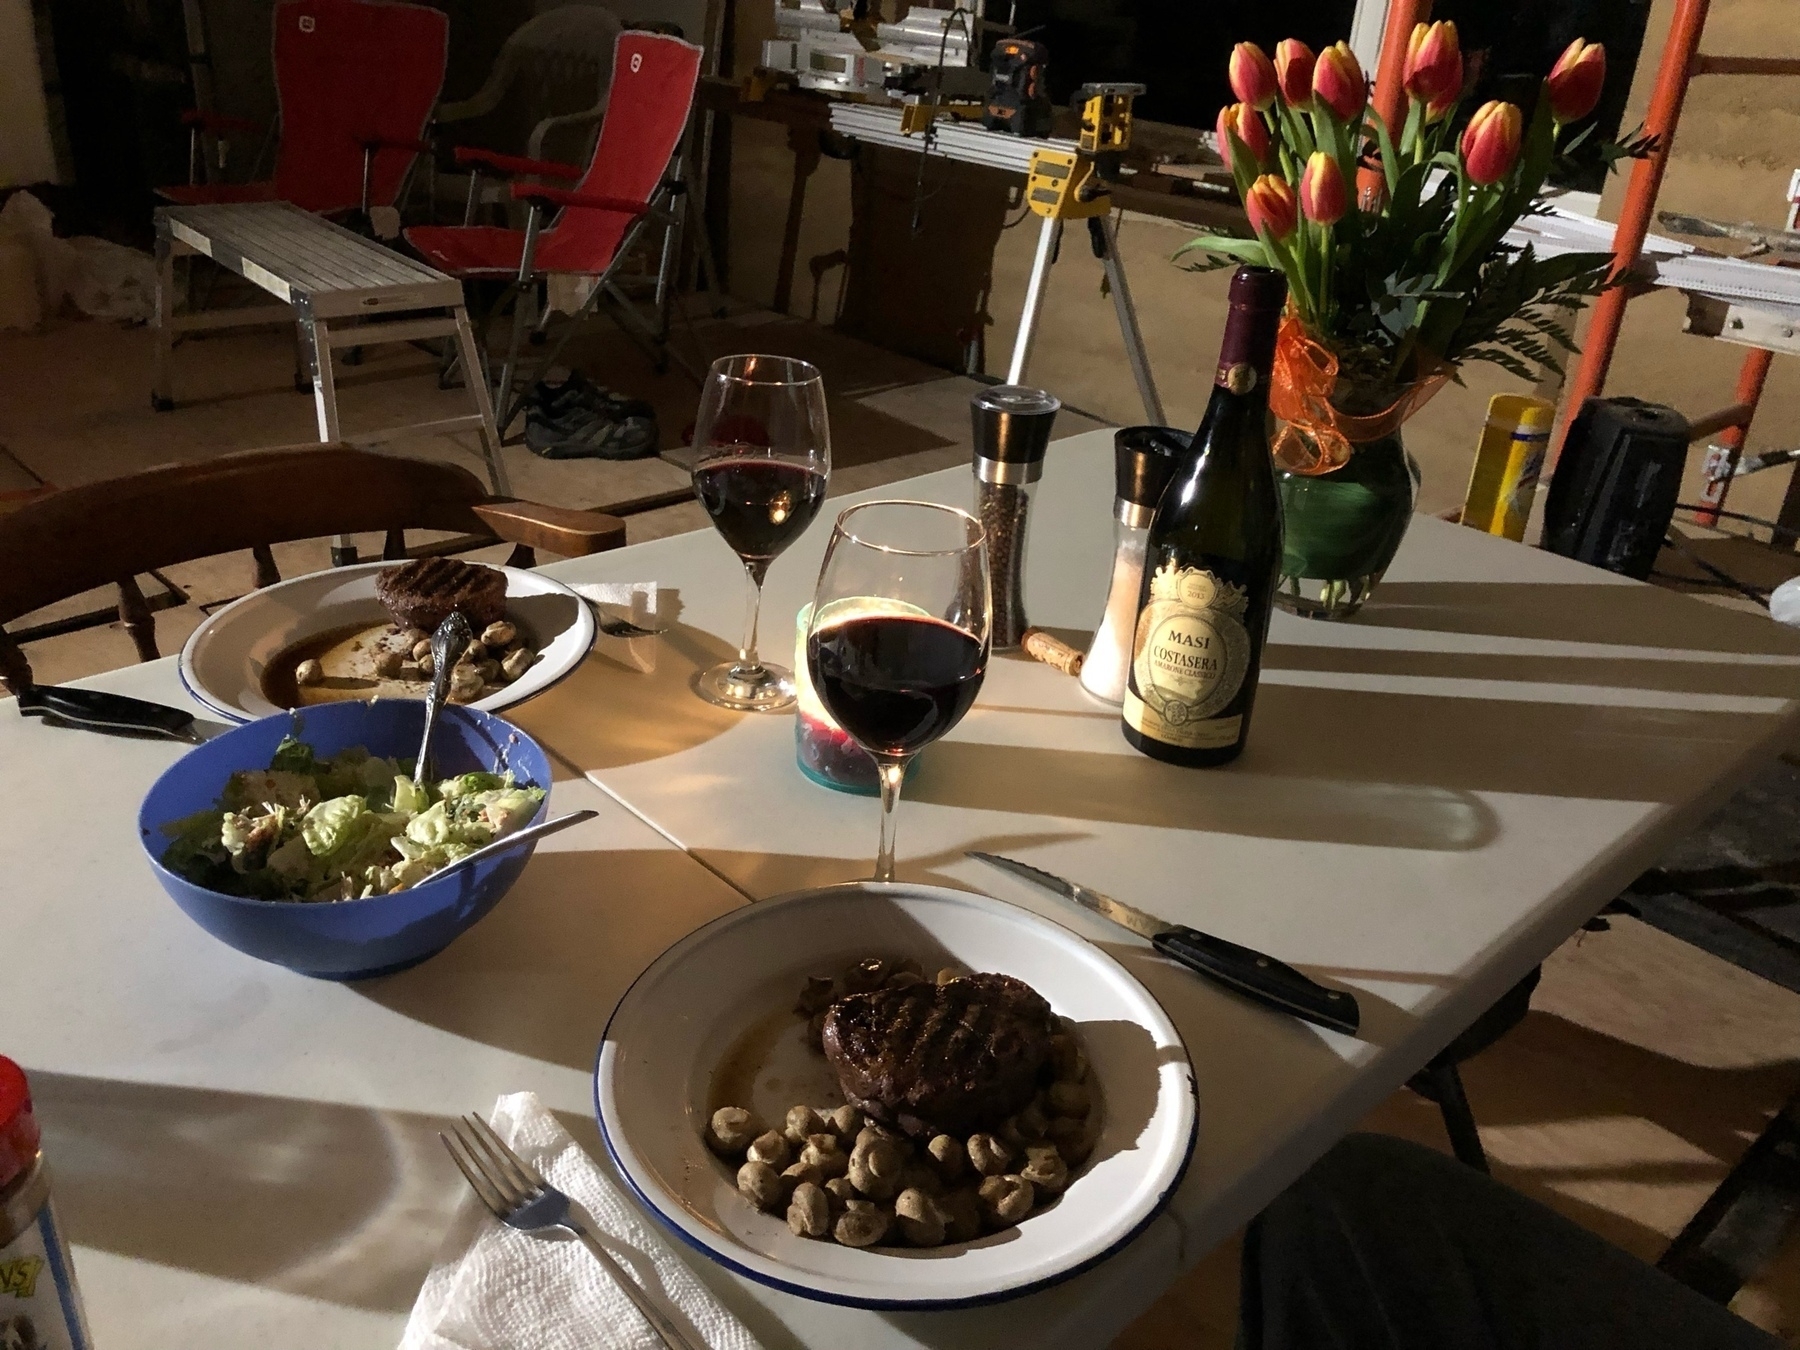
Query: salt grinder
[[1012, 430], [1143, 460]]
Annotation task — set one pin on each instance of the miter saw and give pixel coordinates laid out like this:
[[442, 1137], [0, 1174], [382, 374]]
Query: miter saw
[[848, 50]]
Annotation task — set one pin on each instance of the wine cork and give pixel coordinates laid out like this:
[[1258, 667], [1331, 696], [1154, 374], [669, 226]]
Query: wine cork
[[1051, 651]]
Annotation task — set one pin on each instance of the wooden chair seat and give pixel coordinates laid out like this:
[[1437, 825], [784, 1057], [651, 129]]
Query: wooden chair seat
[[112, 532]]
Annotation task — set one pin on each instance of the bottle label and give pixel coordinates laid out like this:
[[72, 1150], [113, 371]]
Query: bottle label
[[39, 1304], [1189, 659]]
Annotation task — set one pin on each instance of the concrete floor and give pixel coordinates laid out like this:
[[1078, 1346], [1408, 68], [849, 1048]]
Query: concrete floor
[[1643, 1071]]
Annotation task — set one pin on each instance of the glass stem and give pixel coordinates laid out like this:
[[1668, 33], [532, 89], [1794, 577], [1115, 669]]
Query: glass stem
[[893, 773], [748, 661]]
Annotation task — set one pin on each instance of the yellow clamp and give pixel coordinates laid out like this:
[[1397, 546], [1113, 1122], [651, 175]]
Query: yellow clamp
[[1064, 186]]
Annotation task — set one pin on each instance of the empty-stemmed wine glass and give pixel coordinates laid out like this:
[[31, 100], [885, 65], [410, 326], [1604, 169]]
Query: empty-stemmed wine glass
[[762, 457], [899, 637]]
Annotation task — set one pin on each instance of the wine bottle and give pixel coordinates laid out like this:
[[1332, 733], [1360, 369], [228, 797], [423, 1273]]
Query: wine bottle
[[1212, 556]]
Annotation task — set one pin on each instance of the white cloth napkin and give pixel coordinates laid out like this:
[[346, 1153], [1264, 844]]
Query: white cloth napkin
[[493, 1288], [633, 600]]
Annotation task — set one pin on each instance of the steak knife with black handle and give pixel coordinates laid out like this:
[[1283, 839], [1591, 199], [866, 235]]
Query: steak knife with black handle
[[97, 710], [1262, 979]]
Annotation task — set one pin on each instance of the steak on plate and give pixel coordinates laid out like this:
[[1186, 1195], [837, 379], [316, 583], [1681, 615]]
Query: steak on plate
[[951, 1058], [422, 593]]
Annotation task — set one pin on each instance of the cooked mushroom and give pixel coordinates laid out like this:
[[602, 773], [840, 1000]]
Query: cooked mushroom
[[920, 1220], [427, 665], [517, 662], [772, 1149], [861, 1224], [731, 1130], [865, 976], [815, 1030], [840, 1192], [465, 684], [796, 1175], [1005, 1200], [949, 1156], [920, 1176], [412, 637], [822, 1151], [760, 1184], [846, 1122], [498, 635], [988, 1155], [1045, 1169], [421, 650], [801, 1121], [489, 670], [809, 1211], [387, 665], [1072, 1139], [875, 1169], [310, 671]]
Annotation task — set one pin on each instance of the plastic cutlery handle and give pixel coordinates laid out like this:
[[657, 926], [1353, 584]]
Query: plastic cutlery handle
[[1260, 978], [97, 710]]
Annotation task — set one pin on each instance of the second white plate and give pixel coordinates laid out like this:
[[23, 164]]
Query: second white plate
[[223, 661], [675, 1025]]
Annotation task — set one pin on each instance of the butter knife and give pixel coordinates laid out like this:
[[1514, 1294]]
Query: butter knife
[[1260, 978]]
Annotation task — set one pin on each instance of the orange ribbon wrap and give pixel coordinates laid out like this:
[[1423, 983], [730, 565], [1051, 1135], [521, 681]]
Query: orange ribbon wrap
[[1316, 437]]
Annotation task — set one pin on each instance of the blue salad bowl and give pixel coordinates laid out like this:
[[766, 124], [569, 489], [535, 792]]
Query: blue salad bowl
[[346, 939]]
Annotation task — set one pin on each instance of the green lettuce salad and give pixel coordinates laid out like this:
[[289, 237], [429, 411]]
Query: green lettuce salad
[[341, 828]]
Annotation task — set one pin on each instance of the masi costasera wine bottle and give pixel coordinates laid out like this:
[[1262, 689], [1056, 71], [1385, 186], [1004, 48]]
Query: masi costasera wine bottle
[[1211, 560]]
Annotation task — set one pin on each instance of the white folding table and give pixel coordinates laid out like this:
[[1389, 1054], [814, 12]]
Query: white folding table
[[342, 289], [1435, 795]]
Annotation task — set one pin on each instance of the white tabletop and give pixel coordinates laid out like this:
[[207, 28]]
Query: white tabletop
[[1434, 796]]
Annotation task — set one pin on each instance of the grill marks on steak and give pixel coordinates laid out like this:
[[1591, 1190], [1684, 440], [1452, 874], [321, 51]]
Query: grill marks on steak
[[952, 1058], [422, 593]]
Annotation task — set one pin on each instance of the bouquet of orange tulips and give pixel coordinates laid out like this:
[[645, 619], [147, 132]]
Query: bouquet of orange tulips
[[1392, 292]]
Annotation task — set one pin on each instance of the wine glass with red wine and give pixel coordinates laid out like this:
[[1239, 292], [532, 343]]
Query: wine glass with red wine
[[899, 637], [762, 457]]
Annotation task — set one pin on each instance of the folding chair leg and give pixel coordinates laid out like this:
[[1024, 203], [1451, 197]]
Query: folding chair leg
[[526, 287], [475, 380]]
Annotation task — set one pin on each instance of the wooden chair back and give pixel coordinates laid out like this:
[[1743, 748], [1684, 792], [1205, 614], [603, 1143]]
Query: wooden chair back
[[111, 532]]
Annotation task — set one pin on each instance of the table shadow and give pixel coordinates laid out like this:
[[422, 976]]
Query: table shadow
[[1639, 616], [1257, 798], [340, 1203]]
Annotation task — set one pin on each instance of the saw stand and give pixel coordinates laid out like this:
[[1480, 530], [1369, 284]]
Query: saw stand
[[1066, 185]]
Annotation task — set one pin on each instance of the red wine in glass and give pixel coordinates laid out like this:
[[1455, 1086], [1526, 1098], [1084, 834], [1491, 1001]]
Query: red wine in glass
[[762, 456], [899, 636], [895, 682], [759, 505]]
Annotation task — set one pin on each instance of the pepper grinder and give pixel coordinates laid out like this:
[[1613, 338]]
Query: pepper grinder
[[1143, 461], [1012, 430]]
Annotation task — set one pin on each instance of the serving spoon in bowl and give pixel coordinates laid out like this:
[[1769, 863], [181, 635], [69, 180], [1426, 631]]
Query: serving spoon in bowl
[[448, 643]]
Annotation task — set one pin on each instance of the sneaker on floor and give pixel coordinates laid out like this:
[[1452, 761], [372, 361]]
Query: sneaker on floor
[[587, 433]]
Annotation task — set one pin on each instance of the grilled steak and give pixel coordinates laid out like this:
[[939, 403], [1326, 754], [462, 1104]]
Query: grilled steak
[[951, 1058], [422, 593]]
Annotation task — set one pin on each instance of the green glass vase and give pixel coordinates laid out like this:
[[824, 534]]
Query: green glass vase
[[1342, 529]]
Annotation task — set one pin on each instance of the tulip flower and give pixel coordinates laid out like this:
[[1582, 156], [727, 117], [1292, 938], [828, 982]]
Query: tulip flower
[[1434, 65], [1242, 120], [1252, 75], [1576, 80], [1271, 206], [1490, 145], [1323, 195], [1338, 81], [1294, 62]]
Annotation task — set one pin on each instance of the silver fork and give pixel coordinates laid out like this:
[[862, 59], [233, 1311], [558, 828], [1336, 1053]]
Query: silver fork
[[512, 1189]]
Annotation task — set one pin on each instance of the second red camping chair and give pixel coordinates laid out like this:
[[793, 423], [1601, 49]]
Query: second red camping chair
[[356, 81], [634, 178]]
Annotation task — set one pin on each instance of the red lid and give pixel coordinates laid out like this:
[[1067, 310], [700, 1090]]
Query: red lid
[[18, 1127]]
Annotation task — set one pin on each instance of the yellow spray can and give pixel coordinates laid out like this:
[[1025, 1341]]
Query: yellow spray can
[[1508, 463]]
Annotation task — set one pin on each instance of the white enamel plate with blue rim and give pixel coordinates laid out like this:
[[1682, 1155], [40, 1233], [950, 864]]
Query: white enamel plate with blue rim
[[223, 661], [711, 1022]]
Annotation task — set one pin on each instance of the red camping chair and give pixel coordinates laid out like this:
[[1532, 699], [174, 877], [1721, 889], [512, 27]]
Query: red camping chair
[[633, 178], [356, 82]]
